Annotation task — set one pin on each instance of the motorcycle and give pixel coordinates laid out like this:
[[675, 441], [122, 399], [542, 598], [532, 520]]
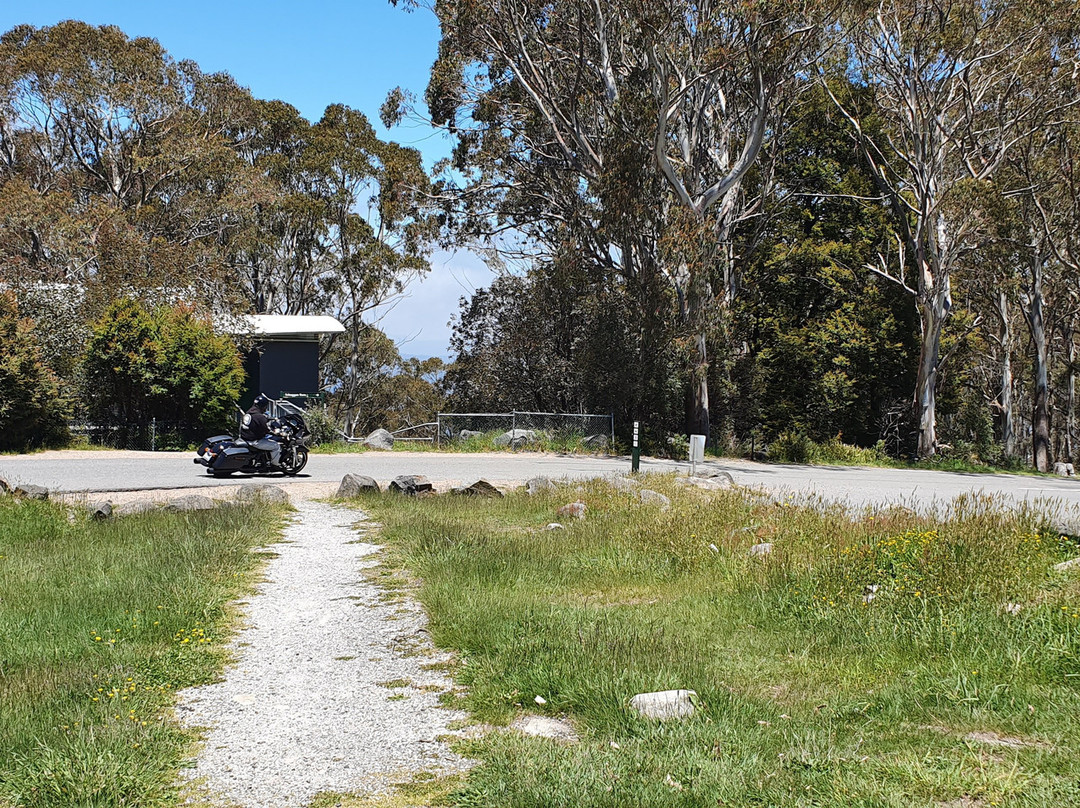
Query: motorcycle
[[223, 454]]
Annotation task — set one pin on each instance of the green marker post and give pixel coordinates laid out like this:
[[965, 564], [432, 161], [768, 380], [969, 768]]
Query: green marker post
[[635, 456]]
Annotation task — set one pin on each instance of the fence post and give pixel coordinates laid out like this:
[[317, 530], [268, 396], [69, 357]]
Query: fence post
[[513, 429], [153, 434], [611, 451]]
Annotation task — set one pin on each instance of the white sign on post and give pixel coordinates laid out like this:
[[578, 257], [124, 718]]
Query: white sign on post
[[697, 451]]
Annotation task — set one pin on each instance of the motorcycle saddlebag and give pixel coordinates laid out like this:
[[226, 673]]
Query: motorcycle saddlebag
[[235, 457]]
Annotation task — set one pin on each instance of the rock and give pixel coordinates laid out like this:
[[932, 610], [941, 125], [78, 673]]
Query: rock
[[575, 509], [5, 488], [706, 483], [481, 488], [624, 484], [99, 510], [554, 526], [870, 592], [515, 438], [1065, 525], [541, 726], [665, 704], [466, 434], [266, 494], [709, 473], [410, 484], [27, 491], [191, 502], [1012, 608], [132, 508], [1063, 469], [538, 484], [353, 485], [762, 550], [595, 442], [379, 439], [649, 497], [1072, 563]]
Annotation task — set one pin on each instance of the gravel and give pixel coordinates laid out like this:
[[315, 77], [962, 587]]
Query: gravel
[[317, 700]]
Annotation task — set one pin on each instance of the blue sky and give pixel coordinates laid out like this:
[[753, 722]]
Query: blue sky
[[310, 55]]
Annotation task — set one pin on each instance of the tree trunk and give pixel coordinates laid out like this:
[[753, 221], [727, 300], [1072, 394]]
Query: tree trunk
[[1005, 396], [934, 307], [1040, 411], [1070, 412]]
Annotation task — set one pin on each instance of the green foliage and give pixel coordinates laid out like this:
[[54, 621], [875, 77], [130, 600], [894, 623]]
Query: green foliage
[[32, 412], [166, 364], [103, 623], [791, 664]]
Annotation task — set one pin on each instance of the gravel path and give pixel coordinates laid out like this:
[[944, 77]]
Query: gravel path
[[303, 710]]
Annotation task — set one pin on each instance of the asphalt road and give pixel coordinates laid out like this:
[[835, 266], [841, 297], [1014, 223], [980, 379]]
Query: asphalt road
[[109, 471]]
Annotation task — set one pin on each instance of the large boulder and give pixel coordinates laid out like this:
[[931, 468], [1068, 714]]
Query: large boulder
[[265, 494], [665, 704], [5, 488], [598, 442], [28, 491], [411, 484], [516, 438], [353, 485], [465, 434], [574, 509], [481, 488], [649, 497], [1064, 469], [379, 439], [623, 484], [99, 510]]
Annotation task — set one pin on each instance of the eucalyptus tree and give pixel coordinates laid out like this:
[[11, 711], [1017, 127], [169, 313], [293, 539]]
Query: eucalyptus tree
[[949, 80], [624, 128]]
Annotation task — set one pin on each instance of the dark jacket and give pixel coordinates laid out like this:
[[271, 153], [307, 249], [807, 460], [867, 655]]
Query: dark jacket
[[254, 425]]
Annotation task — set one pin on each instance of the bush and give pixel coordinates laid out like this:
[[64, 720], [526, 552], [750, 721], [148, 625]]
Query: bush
[[32, 412], [166, 364], [791, 447], [322, 426]]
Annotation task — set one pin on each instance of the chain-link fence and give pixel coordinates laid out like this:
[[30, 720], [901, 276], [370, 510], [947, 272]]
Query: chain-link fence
[[528, 429], [155, 436]]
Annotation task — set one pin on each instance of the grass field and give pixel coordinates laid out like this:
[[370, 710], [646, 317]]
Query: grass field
[[957, 685], [100, 623]]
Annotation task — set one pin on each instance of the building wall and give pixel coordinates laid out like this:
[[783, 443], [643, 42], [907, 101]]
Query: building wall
[[285, 367]]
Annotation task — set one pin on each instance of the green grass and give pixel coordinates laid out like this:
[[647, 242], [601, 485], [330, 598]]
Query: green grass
[[810, 696], [100, 624], [571, 444]]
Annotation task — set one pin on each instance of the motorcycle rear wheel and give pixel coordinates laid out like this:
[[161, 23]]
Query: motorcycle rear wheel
[[299, 460]]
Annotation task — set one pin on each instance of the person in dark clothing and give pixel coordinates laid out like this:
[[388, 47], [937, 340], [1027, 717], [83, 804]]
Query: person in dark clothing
[[255, 429]]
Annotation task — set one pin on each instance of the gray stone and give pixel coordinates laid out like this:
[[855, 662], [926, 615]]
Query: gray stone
[[5, 488], [538, 484], [465, 434], [709, 473], [379, 439], [542, 726], [481, 488], [132, 508], [706, 483], [28, 491], [1068, 525], [516, 438], [1063, 469], [595, 442], [352, 485], [411, 484], [665, 704], [763, 549], [265, 494], [554, 526], [624, 484], [191, 502], [99, 510], [1071, 564], [649, 497], [575, 509]]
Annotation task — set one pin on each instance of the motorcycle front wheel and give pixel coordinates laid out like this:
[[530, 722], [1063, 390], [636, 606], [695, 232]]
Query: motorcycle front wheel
[[298, 461]]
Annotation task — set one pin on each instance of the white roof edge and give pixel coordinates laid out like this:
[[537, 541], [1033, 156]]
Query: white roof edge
[[286, 324]]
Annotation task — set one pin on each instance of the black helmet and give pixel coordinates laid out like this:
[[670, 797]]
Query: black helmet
[[262, 402]]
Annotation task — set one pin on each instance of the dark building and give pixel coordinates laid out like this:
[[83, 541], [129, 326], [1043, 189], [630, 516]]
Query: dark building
[[285, 359]]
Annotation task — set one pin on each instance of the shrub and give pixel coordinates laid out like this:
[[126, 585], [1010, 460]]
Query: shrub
[[32, 413]]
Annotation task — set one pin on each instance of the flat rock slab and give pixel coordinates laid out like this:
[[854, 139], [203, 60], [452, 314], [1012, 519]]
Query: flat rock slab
[[192, 502], [574, 509], [538, 485], [665, 704], [27, 491], [266, 494], [411, 484], [542, 726], [650, 497]]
